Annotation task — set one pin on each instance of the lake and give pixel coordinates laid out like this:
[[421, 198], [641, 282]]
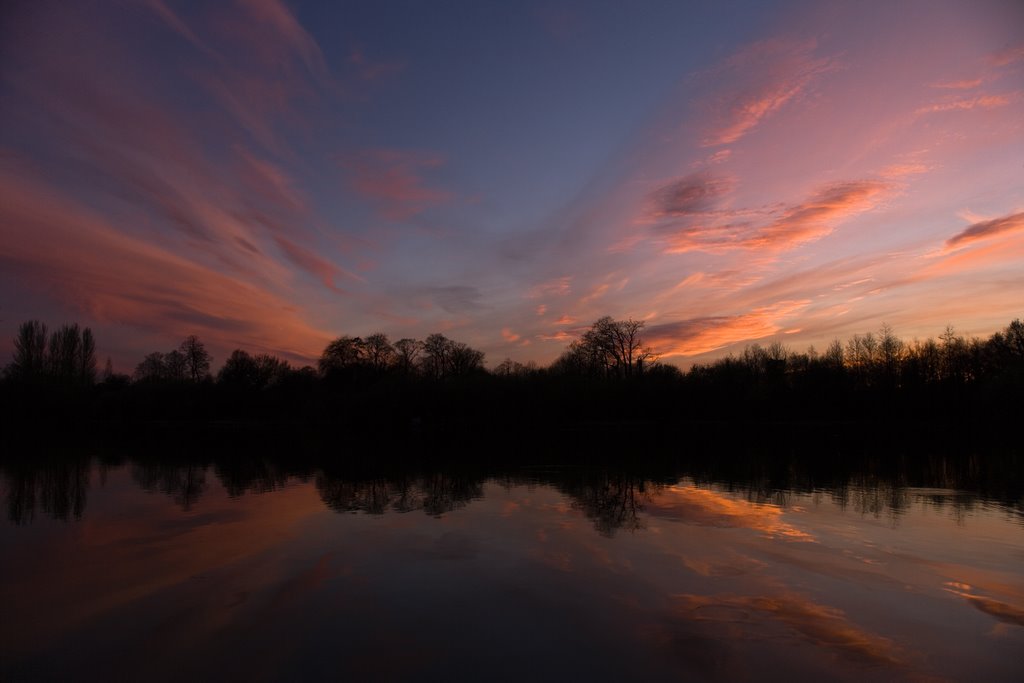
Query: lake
[[242, 568]]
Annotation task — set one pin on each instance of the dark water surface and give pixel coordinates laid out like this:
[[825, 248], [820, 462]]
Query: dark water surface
[[245, 570]]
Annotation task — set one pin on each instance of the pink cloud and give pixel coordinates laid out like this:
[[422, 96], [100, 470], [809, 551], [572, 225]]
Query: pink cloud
[[965, 84], [695, 194], [905, 169], [273, 28], [761, 80], [595, 293], [556, 287], [964, 104], [79, 259], [392, 179], [509, 336], [807, 221], [269, 181], [326, 271], [987, 229], [145, 162], [1007, 56], [560, 335]]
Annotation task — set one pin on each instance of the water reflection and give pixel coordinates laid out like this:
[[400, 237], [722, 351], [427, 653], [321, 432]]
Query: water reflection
[[434, 493], [696, 568], [613, 497], [56, 486]]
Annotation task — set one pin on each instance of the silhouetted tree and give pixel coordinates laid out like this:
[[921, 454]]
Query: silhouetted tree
[[64, 352], [176, 366], [71, 356], [239, 371], [443, 357], [244, 371], [197, 358], [341, 353], [30, 361], [378, 351], [609, 347], [151, 368], [407, 354]]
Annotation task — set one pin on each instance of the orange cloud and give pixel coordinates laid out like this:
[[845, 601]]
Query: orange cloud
[[986, 254], [702, 335], [391, 178], [509, 336], [987, 229], [904, 169], [808, 221]]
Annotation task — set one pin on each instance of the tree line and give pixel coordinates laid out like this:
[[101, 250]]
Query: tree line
[[608, 375]]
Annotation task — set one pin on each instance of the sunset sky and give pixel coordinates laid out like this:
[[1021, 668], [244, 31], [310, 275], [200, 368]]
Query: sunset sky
[[271, 174]]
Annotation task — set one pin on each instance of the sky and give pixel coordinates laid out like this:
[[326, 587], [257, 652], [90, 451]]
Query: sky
[[272, 174]]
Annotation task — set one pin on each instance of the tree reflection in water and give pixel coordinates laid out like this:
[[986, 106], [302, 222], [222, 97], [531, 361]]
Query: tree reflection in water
[[611, 496]]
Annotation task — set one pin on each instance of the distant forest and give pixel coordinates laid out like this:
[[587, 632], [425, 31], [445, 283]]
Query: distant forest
[[607, 379]]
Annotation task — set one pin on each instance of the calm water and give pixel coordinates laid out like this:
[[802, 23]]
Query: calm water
[[170, 571]]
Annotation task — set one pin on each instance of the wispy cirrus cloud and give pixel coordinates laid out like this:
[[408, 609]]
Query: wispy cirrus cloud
[[141, 156], [118, 278], [759, 81], [1006, 56], [273, 28], [695, 194], [393, 180], [963, 84], [695, 336], [809, 220], [982, 230], [967, 103], [263, 60], [559, 286]]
